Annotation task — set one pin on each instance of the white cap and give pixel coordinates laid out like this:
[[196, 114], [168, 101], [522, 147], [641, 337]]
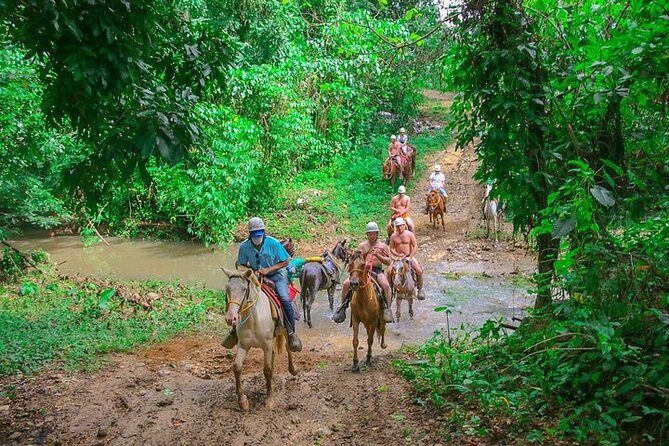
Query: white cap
[[399, 221], [401, 190], [403, 130], [437, 168], [372, 227], [393, 137], [256, 224]]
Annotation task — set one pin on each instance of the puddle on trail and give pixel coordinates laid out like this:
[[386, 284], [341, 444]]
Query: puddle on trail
[[472, 299]]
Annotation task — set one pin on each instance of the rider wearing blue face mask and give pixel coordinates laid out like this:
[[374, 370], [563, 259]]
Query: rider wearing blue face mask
[[266, 256]]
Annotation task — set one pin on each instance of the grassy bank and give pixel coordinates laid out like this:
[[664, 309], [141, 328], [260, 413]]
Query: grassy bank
[[49, 320], [341, 198]]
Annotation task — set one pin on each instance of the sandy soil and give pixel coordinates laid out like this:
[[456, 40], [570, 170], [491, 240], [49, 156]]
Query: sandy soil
[[182, 391]]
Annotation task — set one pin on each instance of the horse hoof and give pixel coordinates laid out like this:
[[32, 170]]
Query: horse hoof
[[368, 363], [356, 368], [292, 370], [269, 404], [244, 403], [383, 345]]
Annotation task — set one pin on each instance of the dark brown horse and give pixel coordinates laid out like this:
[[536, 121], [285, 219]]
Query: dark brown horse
[[365, 307], [392, 171], [316, 276], [411, 153], [436, 207]]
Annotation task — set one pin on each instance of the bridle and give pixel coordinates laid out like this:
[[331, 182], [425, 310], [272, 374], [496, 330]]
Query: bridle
[[242, 308]]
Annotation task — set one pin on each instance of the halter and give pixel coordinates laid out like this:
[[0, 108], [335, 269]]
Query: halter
[[244, 299]]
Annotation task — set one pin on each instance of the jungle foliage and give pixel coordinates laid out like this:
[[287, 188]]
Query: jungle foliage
[[193, 113], [566, 104]]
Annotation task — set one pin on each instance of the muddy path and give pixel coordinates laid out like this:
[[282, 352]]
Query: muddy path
[[182, 392]]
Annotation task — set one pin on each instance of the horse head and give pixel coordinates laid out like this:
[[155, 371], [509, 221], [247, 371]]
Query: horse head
[[237, 292], [288, 246], [433, 200], [358, 270], [340, 252], [400, 269], [387, 168]]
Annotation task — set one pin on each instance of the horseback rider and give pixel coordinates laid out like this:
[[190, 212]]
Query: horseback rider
[[403, 245], [396, 152], [437, 181], [268, 258], [400, 205], [380, 252], [403, 138]]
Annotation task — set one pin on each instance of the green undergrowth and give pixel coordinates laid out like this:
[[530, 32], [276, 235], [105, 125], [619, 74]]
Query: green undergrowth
[[345, 195], [47, 320], [578, 377]]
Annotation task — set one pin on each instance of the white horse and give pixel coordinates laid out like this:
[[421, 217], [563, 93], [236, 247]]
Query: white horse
[[490, 212], [403, 285], [248, 308]]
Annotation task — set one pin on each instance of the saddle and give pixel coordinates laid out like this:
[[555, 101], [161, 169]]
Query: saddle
[[269, 288], [329, 266]]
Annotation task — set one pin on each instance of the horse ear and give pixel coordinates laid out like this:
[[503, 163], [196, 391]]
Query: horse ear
[[343, 243], [250, 276], [228, 272]]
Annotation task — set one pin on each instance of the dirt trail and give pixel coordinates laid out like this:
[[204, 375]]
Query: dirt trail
[[182, 391]]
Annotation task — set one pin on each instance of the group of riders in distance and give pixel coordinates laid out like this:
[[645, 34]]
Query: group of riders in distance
[[378, 273]]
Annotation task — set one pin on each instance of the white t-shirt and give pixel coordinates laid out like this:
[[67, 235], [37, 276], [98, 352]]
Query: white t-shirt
[[437, 180], [403, 139]]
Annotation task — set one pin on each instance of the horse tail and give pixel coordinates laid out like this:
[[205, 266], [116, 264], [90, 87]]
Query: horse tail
[[279, 342]]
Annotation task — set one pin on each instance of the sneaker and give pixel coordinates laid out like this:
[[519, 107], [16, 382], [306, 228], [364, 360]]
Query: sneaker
[[230, 340], [421, 294], [294, 343], [388, 315]]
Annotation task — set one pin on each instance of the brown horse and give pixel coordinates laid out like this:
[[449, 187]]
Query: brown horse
[[436, 207], [392, 171], [411, 153], [365, 307]]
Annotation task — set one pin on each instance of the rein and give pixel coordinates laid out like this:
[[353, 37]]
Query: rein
[[249, 306]]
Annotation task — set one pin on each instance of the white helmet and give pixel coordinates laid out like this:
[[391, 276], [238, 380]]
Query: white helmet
[[256, 224], [399, 221], [401, 190], [392, 137], [403, 130], [437, 168], [372, 227]]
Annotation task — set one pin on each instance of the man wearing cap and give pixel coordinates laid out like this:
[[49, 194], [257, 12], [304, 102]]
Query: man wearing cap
[[400, 205], [266, 256], [403, 245], [396, 151], [437, 181], [380, 251]]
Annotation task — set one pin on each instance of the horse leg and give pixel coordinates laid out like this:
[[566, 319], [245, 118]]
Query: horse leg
[[443, 221], [237, 369], [411, 308], [356, 328], [331, 293], [398, 314], [382, 331], [268, 367], [370, 340], [291, 366]]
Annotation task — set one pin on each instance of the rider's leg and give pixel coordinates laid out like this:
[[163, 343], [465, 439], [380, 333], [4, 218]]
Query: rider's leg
[[443, 193], [410, 225], [419, 277], [385, 286], [340, 314], [281, 286]]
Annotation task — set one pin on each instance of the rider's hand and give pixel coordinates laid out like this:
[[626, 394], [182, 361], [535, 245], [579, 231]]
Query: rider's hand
[[262, 271]]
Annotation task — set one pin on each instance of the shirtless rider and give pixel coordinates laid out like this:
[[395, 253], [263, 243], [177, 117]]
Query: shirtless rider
[[400, 206], [403, 245], [380, 251]]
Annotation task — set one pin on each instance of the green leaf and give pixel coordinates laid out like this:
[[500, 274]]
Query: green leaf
[[602, 195], [563, 227]]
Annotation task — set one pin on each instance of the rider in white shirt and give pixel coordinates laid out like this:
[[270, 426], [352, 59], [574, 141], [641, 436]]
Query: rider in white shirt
[[403, 138], [437, 181]]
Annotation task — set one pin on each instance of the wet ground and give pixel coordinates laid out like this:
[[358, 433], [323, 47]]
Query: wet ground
[[182, 391]]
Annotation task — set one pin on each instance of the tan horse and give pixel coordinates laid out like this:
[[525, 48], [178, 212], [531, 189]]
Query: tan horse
[[365, 307], [436, 207], [248, 308], [403, 284]]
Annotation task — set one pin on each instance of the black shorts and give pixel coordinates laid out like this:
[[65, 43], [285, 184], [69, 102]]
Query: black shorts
[[377, 270]]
